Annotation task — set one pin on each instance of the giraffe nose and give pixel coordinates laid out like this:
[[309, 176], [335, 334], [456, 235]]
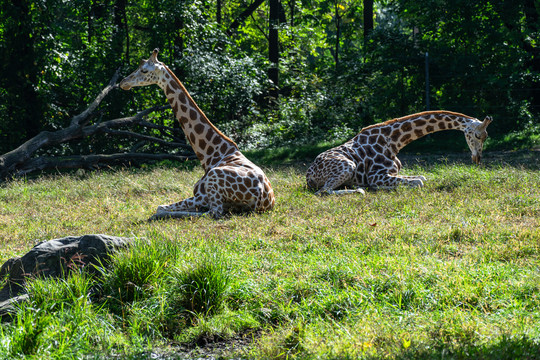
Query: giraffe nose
[[476, 159], [124, 85]]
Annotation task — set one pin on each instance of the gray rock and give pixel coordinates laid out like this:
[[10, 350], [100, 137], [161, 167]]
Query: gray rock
[[56, 258]]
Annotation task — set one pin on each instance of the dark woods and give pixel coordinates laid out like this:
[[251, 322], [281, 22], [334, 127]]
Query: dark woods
[[268, 73]]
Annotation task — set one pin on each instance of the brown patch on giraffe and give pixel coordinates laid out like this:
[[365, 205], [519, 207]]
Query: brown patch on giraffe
[[418, 132], [386, 130], [430, 128], [379, 159], [229, 179], [242, 188], [174, 85], [433, 121], [168, 90], [224, 148], [193, 114], [369, 151], [395, 135], [202, 144], [406, 127], [200, 156], [183, 108], [442, 126], [375, 131], [420, 122], [210, 150], [199, 128], [216, 140], [183, 120], [363, 139], [175, 108], [182, 98], [209, 135], [378, 148], [192, 138], [361, 152], [405, 138]]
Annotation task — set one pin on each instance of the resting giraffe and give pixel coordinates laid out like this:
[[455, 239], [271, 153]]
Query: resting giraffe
[[230, 181], [370, 158]]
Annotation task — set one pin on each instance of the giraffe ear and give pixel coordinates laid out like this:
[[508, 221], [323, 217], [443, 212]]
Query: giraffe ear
[[153, 57], [485, 123]]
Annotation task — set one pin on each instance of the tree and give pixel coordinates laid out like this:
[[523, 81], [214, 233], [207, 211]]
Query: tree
[[22, 107], [273, 46]]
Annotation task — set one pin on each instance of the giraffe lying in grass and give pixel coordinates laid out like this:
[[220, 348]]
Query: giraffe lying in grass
[[370, 158], [230, 180]]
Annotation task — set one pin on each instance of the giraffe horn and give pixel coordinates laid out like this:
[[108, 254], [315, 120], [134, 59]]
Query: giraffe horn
[[154, 55], [486, 122]]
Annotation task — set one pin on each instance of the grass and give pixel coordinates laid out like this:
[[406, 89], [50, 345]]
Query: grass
[[447, 271]]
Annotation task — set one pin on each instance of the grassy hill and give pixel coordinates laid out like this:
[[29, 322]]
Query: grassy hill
[[450, 270]]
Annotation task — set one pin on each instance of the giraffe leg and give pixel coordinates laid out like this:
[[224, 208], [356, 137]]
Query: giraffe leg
[[342, 173], [185, 208], [387, 181], [190, 207]]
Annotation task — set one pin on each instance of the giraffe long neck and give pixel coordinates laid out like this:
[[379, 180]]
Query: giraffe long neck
[[210, 144], [402, 131]]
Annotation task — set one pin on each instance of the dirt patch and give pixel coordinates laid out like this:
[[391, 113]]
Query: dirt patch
[[211, 347]]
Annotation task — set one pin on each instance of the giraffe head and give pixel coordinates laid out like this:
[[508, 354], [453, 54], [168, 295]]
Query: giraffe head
[[476, 134], [149, 72]]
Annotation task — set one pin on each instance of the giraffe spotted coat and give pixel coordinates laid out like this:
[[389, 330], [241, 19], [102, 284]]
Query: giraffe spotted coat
[[231, 181], [370, 158]]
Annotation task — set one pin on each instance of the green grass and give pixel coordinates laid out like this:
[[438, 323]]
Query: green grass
[[447, 271]]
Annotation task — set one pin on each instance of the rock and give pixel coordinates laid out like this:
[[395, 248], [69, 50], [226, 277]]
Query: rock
[[56, 258]]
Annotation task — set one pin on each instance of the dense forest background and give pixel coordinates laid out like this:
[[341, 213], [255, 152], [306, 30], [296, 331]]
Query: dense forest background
[[271, 73]]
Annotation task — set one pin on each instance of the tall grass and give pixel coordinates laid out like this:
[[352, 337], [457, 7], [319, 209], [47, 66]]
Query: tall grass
[[449, 270]]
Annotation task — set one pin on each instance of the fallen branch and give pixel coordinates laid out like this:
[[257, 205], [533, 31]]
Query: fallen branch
[[22, 160], [95, 161]]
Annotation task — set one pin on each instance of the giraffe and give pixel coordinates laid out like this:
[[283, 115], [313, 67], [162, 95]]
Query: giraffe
[[230, 180], [370, 158]]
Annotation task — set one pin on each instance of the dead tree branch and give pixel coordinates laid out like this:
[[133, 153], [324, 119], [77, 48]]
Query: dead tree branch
[[23, 160]]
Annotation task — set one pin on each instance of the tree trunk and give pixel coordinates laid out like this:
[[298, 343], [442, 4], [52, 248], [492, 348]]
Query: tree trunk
[[368, 18], [19, 66], [337, 19], [273, 46], [218, 11]]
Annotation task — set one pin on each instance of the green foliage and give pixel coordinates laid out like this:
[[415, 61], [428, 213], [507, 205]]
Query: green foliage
[[135, 272], [334, 78], [200, 289]]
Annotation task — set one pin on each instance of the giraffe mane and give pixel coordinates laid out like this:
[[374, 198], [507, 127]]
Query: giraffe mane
[[190, 99], [412, 116]]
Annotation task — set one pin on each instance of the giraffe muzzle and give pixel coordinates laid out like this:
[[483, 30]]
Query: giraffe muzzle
[[124, 86]]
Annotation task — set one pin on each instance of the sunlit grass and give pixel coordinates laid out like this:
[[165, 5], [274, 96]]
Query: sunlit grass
[[450, 269]]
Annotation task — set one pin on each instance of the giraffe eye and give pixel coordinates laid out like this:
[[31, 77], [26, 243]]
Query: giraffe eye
[[477, 136], [144, 71]]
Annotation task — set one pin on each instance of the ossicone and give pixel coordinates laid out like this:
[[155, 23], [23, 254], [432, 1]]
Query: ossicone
[[488, 119], [153, 57]]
